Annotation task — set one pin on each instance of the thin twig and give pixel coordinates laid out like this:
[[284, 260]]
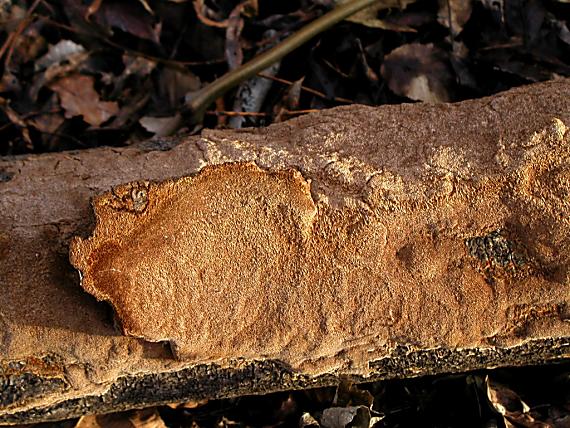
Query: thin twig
[[307, 89], [207, 21], [256, 114], [202, 99], [235, 113], [299, 112], [9, 43]]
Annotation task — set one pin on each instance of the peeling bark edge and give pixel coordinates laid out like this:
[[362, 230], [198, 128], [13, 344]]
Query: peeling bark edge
[[261, 377]]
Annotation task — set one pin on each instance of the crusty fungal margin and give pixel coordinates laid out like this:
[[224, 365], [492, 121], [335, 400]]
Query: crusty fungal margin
[[189, 262], [239, 261]]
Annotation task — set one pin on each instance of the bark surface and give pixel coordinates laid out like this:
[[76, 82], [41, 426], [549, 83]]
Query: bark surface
[[365, 242]]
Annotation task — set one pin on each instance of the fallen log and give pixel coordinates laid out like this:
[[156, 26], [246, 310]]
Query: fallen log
[[394, 241]]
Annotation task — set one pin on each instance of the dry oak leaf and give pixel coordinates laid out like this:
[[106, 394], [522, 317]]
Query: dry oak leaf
[[419, 72], [145, 418], [454, 14], [79, 98], [369, 15]]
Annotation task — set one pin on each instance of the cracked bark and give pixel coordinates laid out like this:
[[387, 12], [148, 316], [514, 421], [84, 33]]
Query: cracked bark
[[469, 203]]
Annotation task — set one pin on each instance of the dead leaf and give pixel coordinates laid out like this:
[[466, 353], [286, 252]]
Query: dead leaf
[[348, 394], [367, 70], [341, 417], [58, 53], [62, 58], [79, 98], [289, 102], [459, 61], [130, 112], [369, 16], [207, 16], [137, 66], [562, 29], [413, 19], [531, 72], [129, 17], [174, 84], [11, 14], [454, 14], [419, 72], [146, 418], [10, 83], [307, 420], [234, 53], [50, 118], [356, 411], [161, 126], [27, 46], [188, 404], [509, 405], [559, 418], [147, 7], [93, 8], [251, 8], [16, 120], [235, 23]]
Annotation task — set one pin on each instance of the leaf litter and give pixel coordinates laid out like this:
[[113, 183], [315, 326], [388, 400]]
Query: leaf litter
[[74, 72], [79, 98]]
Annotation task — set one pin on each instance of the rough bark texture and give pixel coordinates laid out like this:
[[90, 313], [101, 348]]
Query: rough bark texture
[[404, 240]]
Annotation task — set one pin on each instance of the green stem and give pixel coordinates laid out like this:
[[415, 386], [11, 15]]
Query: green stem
[[208, 94]]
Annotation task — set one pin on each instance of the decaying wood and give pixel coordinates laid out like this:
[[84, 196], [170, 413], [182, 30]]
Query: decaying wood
[[364, 242]]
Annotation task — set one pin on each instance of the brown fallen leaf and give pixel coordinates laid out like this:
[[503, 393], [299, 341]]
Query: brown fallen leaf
[[137, 70], [146, 418], [63, 58], [61, 52], [143, 27], [188, 404], [454, 14], [234, 52], [79, 98], [307, 420], [352, 407], [510, 406], [289, 101], [161, 126], [348, 394], [352, 416], [207, 16], [11, 14], [49, 118], [130, 17], [369, 16], [26, 47], [16, 120], [174, 84], [419, 72]]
